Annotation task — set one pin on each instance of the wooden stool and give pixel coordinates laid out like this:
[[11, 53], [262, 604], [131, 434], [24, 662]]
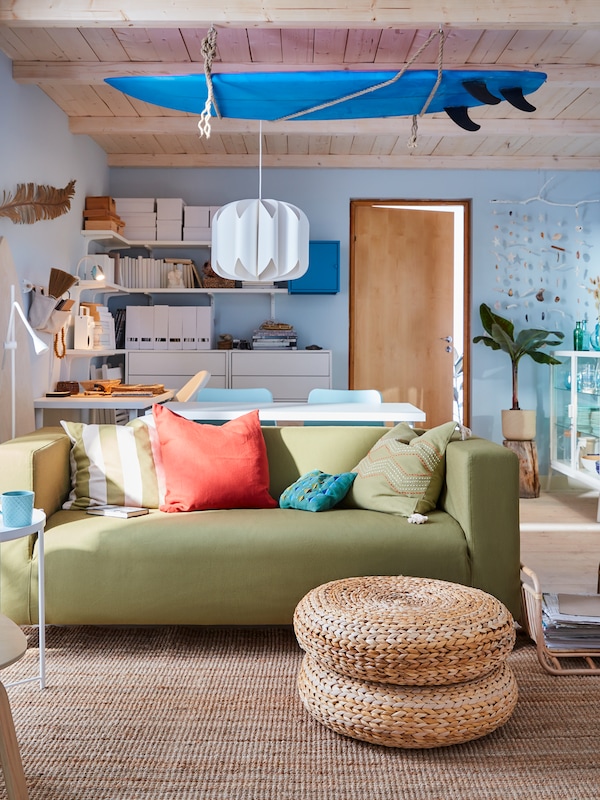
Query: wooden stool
[[13, 645], [529, 480]]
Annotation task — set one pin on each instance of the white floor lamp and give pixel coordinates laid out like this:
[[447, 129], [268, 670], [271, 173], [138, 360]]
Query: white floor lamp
[[10, 343]]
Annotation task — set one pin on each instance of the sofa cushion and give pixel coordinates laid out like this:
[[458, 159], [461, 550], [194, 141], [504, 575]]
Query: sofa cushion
[[213, 466], [317, 491], [403, 473], [112, 464]]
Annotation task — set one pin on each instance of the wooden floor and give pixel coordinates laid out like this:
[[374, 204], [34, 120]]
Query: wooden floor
[[560, 539]]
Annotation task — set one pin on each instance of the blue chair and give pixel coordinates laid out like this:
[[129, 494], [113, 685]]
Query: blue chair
[[344, 396], [210, 395]]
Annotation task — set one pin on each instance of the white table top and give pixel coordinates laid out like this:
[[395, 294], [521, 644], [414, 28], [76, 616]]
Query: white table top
[[104, 401], [38, 520], [300, 412]]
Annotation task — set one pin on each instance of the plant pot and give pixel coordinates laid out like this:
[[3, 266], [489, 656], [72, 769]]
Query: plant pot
[[518, 425]]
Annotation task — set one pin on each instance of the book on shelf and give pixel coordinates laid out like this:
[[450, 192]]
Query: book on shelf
[[123, 512]]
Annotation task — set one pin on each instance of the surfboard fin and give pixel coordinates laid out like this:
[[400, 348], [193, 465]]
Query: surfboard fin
[[516, 98], [479, 91], [459, 115]]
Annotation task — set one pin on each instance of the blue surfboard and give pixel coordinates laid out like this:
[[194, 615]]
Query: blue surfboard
[[278, 95]]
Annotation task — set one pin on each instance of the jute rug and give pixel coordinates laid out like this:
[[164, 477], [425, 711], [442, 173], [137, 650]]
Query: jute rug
[[213, 714]]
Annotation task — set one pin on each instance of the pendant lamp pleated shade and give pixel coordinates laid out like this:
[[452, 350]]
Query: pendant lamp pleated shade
[[260, 240]]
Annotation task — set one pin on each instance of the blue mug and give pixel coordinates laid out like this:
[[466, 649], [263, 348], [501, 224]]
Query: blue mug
[[17, 508]]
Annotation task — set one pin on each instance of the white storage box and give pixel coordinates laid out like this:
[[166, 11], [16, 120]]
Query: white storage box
[[146, 219], [136, 205], [168, 230], [196, 216], [140, 234], [169, 208], [196, 234]]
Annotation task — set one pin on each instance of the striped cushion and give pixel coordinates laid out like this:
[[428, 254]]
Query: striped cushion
[[112, 464]]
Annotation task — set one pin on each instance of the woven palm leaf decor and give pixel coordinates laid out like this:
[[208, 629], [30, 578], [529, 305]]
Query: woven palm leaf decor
[[33, 202]]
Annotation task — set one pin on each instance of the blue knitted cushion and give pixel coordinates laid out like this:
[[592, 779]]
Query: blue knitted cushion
[[317, 491]]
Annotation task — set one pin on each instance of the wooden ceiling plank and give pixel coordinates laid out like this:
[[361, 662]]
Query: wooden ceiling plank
[[336, 13], [13, 46], [384, 145], [319, 145], [233, 46], [522, 47], [298, 145], [304, 161], [182, 124], [72, 44], [105, 44], [341, 145], [586, 105], [192, 39], [168, 44], [329, 46], [394, 46], [233, 144], [556, 47], [42, 44], [116, 102], [361, 46], [459, 45], [362, 145], [95, 72], [297, 45], [275, 144], [137, 44], [265, 45], [490, 47]]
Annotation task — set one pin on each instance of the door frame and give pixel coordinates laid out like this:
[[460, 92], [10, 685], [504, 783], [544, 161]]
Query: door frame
[[461, 270]]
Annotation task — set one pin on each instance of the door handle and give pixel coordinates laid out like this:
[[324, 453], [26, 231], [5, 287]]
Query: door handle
[[446, 339]]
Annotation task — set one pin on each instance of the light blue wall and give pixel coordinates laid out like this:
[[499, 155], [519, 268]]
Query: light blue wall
[[36, 147], [528, 230]]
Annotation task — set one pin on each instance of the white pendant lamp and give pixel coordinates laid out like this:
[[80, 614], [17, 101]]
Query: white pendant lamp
[[260, 240]]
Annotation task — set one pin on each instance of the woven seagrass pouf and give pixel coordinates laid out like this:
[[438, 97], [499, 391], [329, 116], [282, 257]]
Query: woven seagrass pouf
[[408, 716], [405, 662], [404, 630]]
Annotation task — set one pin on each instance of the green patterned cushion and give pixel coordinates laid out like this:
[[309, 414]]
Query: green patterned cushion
[[317, 491], [112, 464], [403, 473]]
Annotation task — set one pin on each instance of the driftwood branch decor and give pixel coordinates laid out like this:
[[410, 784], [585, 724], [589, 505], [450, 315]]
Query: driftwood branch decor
[[33, 202]]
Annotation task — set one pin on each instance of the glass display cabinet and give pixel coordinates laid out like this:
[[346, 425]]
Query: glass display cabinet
[[575, 416]]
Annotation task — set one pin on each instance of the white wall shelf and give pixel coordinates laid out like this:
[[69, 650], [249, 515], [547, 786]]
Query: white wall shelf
[[113, 240]]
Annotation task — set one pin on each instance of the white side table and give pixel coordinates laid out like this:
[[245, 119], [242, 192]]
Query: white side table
[[7, 535]]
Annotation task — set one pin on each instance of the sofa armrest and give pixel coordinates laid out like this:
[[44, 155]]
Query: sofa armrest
[[482, 494], [38, 461]]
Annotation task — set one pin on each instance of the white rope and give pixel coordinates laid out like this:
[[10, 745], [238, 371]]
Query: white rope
[[209, 51], [412, 142], [375, 88]]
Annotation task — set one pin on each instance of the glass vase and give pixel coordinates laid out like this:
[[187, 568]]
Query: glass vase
[[595, 336]]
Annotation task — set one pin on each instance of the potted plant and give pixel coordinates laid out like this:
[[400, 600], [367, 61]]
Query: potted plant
[[517, 424]]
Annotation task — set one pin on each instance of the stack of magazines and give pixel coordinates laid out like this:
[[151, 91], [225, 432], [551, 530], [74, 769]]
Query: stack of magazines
[[571, 621]]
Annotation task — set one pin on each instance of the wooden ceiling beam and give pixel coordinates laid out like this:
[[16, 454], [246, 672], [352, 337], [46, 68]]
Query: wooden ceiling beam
[[94, 73], [533, 15], [428, 126], [355, 162]]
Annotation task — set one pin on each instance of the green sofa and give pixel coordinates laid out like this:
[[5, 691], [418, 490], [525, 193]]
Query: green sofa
[[252, 566]]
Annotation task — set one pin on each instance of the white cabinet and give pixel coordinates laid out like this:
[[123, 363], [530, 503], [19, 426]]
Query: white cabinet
[[290, 375]]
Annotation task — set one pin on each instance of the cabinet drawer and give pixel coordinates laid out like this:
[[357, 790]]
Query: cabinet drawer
[[174, 382], [294, 362], [180, 362], [284, 388]]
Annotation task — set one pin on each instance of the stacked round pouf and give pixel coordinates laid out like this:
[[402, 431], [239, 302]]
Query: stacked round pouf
[[405, 662]]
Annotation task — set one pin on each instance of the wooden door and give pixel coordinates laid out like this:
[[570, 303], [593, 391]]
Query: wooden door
[[402, 268]]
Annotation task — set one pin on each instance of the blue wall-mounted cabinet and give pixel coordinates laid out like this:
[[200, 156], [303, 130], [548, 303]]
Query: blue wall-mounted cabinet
[[323, 274]]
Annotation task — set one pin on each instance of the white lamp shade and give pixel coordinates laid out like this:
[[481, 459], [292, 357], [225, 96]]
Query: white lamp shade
[[259, 240]]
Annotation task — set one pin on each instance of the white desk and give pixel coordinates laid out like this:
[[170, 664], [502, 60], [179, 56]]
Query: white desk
[[303, 412], [7, 535], [134, 405]]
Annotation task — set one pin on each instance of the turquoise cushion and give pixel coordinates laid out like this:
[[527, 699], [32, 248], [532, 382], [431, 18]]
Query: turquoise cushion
[[317, 491]]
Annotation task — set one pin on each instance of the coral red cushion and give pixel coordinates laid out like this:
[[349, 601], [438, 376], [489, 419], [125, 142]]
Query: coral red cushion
[[213, 466]]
